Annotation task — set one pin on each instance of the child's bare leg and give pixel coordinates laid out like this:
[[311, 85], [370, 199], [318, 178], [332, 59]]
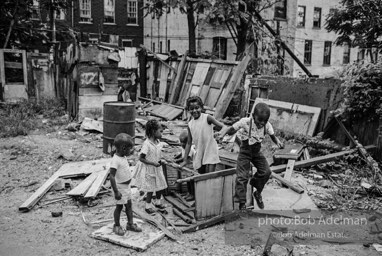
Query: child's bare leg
[[211, 168], [129, 211], [117, 214], [149, 207]]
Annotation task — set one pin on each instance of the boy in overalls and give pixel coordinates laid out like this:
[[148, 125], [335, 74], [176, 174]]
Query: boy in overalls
[[251, 131]]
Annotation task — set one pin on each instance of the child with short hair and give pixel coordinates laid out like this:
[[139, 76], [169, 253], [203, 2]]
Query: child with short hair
[[201, 133], [252, 131], [120, 179], [149, 175]]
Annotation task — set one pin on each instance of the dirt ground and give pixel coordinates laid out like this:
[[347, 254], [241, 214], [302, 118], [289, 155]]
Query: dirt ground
[[28, 161]]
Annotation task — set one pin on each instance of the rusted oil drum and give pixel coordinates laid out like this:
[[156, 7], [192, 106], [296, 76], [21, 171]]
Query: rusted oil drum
[[118, 117]]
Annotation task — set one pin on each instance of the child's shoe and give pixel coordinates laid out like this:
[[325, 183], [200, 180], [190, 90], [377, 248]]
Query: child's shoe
[[118, 230], [259, 199], [133, 227]]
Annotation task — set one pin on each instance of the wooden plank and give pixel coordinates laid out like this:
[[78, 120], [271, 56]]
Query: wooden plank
[[38, 194], [290, 185], [206, 85], [16, 65], [214, 196], [232, 87], [163, 74], [177, 82], [83, 168], [306, 153], [96, 186], [144, 216], [294, 118], [212, 175], [290, 151], [210, 222], [181, 199], [317, 160], [289, 169], [227, 78], [186, 84], [182, 216], [178, 205], [156, 56], [225, 62], [227, 204], [200, 198], [84, 186]]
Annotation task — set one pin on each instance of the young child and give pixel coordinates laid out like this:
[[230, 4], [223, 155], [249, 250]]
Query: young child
[[183, 138], [252, 131], [120, 178], [123, 93], [200, 132], [149, 174]]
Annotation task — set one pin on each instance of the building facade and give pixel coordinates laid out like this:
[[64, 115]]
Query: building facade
[[300, 23], [119, 22]]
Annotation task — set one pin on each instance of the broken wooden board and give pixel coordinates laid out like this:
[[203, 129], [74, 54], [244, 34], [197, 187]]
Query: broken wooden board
[[75, 169], [92, 125], [178, 205], [289, 169], [317, 160], [84, 186], [140, 241], [98, 182], [210, 222], [293, 118]]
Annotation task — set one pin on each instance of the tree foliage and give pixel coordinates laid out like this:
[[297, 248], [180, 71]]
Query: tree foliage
[[363, 91], [16, 26], [358, 22]]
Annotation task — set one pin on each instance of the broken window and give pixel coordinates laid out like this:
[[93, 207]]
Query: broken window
[[346, 59], [280, 9], [109, 11], [85, 11], [301, 16], [132, 12], [308, 52], [317, 17], [219, 47], [327, 52]]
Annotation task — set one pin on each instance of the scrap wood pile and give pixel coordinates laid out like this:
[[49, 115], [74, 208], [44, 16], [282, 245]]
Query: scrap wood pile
[[344, 177]]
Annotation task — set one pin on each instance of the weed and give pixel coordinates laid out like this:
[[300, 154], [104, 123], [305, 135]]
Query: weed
[[21, 117]]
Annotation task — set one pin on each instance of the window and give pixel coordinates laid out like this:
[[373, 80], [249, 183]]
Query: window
[[127, 43], [132, 12], [219, 47], [308, 52], [85, 11], [35, 10], [168, 45], [327, 52], [280, 9], [317, 17], [93, 40], [361, 54], [346, 59], [153, 47], [301, 16], [160, 47], [109, 11]]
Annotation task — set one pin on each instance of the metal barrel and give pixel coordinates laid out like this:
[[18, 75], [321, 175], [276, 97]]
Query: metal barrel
[[118, 117]]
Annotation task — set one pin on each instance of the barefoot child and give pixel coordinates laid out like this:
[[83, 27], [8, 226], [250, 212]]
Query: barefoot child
[[120, 178], [200, 132], [251, 131], [149, 174]]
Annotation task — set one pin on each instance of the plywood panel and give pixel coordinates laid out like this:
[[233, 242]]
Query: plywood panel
[[84, 186], [293, 118], [200, 74], [187, 84]]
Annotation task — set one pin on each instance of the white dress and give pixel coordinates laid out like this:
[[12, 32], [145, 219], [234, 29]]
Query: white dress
[[150, 178], [202, 133]]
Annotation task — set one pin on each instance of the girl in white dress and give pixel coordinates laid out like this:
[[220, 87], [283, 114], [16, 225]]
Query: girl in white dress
[[149, 176]]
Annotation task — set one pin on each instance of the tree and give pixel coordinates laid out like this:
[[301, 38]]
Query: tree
[[358, 22], [189, 7], [16, 27]]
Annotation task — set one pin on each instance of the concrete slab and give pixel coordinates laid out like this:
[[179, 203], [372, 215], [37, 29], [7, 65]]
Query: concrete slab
[[283, 201]]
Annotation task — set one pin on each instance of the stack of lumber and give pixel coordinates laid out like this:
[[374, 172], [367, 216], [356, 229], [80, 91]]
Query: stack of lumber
[[69, 170], [90, 186]]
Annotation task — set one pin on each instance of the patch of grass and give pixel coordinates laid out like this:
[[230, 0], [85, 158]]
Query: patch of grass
[[21, 117]]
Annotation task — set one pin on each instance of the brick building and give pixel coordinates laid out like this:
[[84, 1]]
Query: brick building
[[115, 21]]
